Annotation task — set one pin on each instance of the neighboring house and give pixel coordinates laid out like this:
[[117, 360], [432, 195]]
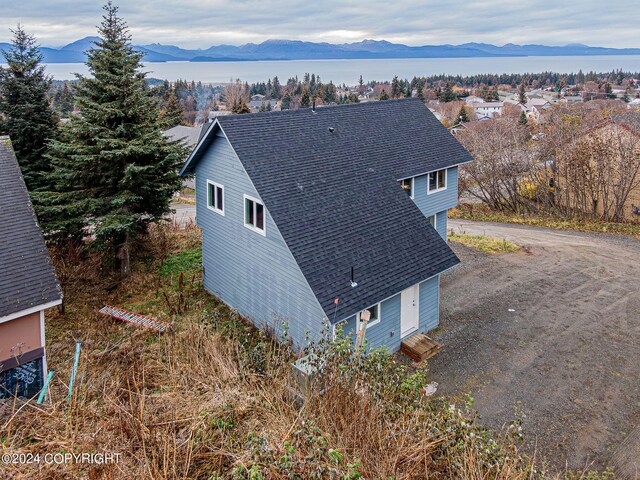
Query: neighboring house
[[189, 136], [536, 107], [299, 208], [470, 100], [466, 125], [488, 108], [255, 105], [572, 99], [28, 285], [622, 134]]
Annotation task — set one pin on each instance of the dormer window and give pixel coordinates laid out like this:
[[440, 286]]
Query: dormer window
[[407, 185], [437, 181]]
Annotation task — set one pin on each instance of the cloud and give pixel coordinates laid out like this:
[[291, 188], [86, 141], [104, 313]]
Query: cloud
[[202, 23]]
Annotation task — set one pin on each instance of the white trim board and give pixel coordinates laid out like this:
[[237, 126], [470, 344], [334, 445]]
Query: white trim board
[[29, 311]]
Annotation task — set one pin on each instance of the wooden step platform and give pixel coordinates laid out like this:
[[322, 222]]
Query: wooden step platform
[[420, 347]]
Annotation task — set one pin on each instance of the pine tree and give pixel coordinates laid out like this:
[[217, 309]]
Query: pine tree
[[522, 94], [383, 95], [523, 118], [275, 88], [29, 119], [447, 94], [462, 116], [420, 88], [286, 102], [116, 172], [172, 113], [305, 98]]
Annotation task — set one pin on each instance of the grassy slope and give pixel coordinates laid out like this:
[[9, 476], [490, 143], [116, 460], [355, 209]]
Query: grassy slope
[[483, 214], [212, 398]]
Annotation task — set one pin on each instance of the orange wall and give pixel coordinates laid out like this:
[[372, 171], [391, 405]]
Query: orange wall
[[22, 334]]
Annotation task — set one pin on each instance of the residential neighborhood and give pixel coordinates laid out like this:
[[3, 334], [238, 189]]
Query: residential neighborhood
[[301, 252]]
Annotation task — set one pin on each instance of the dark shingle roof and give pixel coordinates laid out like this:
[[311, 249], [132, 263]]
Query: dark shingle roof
[[335, 198], [27, 276]]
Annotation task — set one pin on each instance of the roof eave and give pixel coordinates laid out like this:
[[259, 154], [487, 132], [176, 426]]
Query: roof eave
[[192, 160]]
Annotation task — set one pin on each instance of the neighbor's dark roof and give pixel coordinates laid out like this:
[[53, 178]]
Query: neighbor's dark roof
[[335, 197], [27, 277]]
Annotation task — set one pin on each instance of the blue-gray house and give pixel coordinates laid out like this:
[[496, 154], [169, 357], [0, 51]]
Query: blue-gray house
[[299, 208]]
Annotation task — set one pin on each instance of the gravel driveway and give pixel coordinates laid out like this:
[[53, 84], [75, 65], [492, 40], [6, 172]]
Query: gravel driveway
[[555, 331]]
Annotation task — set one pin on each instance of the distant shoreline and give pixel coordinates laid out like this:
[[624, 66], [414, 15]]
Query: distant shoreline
[[348, 71]]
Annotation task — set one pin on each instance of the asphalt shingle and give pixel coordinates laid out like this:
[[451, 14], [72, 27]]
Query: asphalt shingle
[[329, 178], [27, 278]]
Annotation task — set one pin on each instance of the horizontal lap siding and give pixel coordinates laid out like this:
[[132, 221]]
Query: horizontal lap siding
[[254, 274], [441, 224], [387, 332], [439, 201], [429, 304]]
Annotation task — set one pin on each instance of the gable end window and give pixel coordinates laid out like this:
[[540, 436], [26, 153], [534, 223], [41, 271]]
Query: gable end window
[[437, 181], [407, 185], [215, 197], [374, 319], [254, 214]]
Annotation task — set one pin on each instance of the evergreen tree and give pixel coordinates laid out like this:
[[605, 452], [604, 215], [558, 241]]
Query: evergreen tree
[[26, 114], [275, 88], [447, 94], [305, 98], [115, 171], [239, 107], [627, 97], [286, 102], [420, 88], [462, 116], [522, 94], [383, 95], [172, 113], [523, 118], [396, 88]]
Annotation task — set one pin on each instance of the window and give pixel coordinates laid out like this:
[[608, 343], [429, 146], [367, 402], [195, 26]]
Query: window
[[432, 220], [437, 181], [254, 214], [407, 184], [215, 197], [374, 319]]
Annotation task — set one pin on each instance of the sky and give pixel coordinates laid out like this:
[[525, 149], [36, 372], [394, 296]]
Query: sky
[[202, 23]]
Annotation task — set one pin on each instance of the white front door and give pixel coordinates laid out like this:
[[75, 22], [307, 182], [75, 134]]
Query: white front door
[[409, 313]]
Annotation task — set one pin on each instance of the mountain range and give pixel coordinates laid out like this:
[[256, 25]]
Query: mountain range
[[299, 50]]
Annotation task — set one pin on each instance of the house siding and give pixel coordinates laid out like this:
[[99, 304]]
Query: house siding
[[254, 274], [439, 201], [387, 332]]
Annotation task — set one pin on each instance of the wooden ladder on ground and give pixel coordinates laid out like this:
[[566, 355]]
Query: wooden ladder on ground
[[135, 318]]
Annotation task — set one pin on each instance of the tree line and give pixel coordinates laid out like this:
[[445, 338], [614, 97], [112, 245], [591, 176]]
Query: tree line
[[583, 160], [100, 179]]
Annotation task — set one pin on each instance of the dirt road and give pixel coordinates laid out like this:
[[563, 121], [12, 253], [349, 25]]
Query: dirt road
[[555, 332]]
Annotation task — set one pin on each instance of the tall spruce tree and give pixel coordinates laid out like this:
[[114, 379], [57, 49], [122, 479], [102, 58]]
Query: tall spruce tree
[[463, 117], [522, 93], [26, 114], [115, 171]]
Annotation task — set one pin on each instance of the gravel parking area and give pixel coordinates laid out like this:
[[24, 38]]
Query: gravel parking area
[[554, 330]]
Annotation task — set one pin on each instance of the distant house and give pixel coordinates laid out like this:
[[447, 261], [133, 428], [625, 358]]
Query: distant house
[[622, 134], [466, 125], [572, 99], [311, 217], [255, 105], [488, 108], [536, 107], [28, 285], [470, 100]]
